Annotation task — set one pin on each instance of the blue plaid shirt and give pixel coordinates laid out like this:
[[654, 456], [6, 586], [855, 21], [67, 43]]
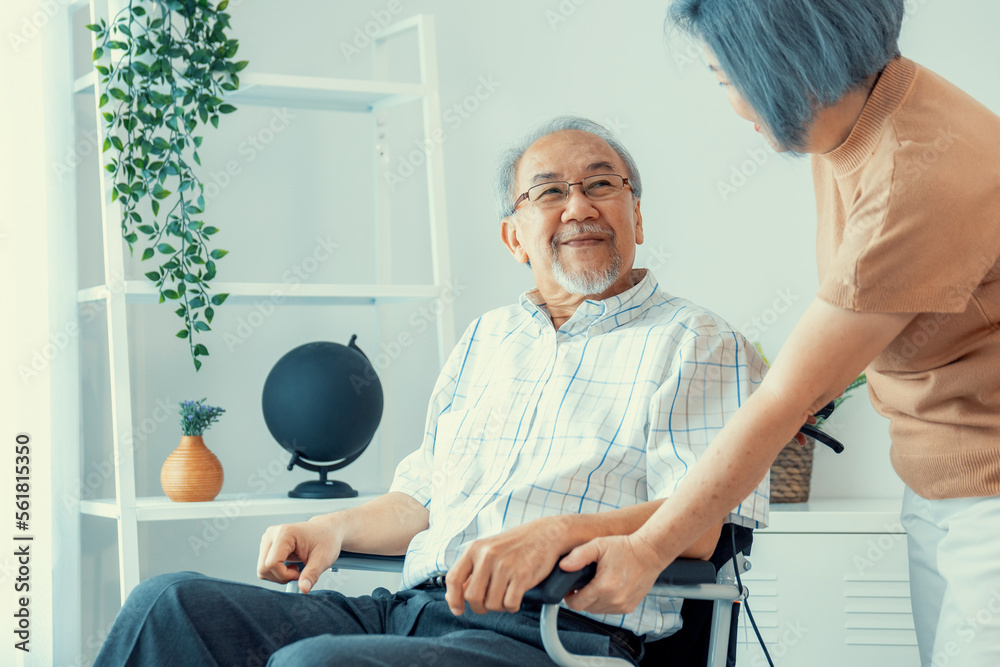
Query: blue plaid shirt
[[610, 410]]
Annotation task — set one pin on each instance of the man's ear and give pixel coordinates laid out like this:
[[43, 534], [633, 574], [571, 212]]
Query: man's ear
[[637, 214], [508, 234]]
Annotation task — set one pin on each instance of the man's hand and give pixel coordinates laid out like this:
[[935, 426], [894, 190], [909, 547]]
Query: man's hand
[[494, 573], [627, 567], [316, 543]]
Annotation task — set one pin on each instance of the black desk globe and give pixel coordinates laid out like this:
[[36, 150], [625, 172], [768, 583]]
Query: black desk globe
[[323, 402]]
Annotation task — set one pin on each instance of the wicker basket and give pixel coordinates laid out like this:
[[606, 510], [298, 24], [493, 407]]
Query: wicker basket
[[791, 472]]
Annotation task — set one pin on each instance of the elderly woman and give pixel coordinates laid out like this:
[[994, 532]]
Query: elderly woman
[[907, 175]]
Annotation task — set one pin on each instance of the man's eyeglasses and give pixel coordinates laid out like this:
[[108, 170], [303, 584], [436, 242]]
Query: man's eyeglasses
[[555, 193]]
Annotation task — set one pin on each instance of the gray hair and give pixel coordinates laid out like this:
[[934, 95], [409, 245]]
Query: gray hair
[[510, 157]]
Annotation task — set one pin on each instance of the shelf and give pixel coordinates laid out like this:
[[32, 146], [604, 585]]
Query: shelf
[[143, 291], [846, 515], [305, 92], [853, 515], [230, 505]]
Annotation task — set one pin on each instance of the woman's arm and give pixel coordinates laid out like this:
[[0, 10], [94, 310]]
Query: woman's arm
[[828, 348]]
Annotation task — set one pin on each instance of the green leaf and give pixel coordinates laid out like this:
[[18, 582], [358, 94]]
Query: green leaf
[[98, 52], [146, 254], [241, 65], [200, 349], [183, 333], [196, 302], [197, 365], [219, 253], [209, 314], [195, 225], [181, 312], [146, 229], [138, 11], [93, 26], [171, 294], [197, 141], [191, 278], [215, 121], [166, 249], [219, 299], [153, 275], [117, 143], [119, 94], [222, 5], [162, 194], [107, 145], [103, 100], [160, 143], [201, 326], [208, 231], [181, 288], [131, 238], [227, 108], [156, 207]]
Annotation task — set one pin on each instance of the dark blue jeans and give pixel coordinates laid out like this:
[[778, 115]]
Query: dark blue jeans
[[190, 619]]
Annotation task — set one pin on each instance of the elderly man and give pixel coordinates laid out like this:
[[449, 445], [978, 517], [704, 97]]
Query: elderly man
[[569, 415]]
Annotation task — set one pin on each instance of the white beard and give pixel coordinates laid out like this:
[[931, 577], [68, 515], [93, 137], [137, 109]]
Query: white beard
[[586, 282]]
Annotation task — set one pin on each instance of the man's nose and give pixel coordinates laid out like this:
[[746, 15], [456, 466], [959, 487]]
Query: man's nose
[[578, 205]]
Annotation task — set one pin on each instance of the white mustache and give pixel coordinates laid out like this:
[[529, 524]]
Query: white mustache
[[582, 229]]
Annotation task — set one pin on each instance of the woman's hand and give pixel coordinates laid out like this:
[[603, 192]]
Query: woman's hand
[[627, 567], [315, 542]]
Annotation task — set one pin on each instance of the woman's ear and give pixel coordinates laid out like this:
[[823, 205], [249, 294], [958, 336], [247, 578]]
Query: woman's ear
[[508, 234]]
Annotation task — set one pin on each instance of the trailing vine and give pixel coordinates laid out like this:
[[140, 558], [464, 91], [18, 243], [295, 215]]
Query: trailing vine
[[175, 64]]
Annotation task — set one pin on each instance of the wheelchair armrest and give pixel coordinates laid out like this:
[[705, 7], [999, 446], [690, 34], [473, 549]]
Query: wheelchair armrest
[[554, 587]]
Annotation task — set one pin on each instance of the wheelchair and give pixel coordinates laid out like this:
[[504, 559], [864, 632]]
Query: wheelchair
[[710, 610], [711, 590]]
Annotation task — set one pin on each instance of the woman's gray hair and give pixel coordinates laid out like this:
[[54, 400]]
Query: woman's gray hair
[[510, 157]]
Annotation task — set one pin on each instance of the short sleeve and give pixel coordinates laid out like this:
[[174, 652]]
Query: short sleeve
[[709, 378], [920, 237], [413, 475]]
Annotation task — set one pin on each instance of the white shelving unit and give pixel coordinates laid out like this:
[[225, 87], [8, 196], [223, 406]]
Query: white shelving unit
[[295, 92]]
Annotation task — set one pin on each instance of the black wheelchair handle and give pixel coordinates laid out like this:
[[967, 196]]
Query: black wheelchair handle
[[816, 434]]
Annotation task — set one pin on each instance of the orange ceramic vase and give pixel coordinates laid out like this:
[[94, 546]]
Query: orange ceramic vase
[[191, 473]]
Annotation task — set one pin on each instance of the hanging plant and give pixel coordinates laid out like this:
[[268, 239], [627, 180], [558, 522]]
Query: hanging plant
[[172, 67]]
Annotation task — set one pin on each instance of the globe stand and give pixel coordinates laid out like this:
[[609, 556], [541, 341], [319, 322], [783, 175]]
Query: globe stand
[[322, 487]]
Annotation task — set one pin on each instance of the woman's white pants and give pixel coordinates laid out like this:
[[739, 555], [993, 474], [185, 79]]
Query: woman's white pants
[[954, 554]]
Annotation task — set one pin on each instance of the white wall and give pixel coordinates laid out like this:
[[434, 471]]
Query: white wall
[[527, 61]]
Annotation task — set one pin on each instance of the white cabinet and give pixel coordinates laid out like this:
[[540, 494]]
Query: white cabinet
[[829, 587]]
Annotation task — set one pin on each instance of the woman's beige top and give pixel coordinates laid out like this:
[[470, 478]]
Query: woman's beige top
[[909, 221]]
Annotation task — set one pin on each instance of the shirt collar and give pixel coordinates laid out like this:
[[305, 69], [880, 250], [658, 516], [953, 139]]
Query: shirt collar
[[593, 317]]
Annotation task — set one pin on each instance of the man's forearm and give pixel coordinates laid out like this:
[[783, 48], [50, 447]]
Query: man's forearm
[[382, 526]]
